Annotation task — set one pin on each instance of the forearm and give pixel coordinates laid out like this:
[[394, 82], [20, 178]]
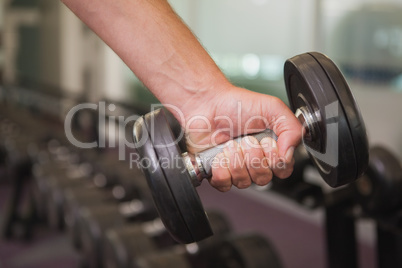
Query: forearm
[[156, 45]]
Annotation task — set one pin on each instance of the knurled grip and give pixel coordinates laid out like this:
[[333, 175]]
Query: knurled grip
[[205, 158]]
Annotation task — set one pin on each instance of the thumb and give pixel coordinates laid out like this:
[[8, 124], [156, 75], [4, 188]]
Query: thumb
[[288, 129]]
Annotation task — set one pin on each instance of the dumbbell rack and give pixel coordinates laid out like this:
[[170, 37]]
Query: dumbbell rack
[[340, 226], [340, 230], [35, 105], [90, 249], [340, 218], [389, 241]]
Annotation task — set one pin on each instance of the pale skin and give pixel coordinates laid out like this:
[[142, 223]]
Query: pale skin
[[165, 55]]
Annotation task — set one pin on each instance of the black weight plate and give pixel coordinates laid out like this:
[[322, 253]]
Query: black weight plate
[[161, 193], [75, 199], [163, 259], [95, 221], [244, 250], [179, 181], [219, 223], [256, 251], [380, 189], [319, 85], [125, 244], [351, 110], [163, 197]]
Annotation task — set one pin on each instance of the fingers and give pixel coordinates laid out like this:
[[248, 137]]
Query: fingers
[[221, 179], [282, 167], [257, 166], [256, 162], [250, 161], [229, 168], [288, 129], [240, 176]]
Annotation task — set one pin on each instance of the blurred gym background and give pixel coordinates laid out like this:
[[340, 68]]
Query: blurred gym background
[[46, 50]]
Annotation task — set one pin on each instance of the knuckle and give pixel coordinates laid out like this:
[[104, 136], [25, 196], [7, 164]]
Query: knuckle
[[236, 171], [278, 102], [262, 181], [285, 173], [262, 171], [223, 189], [243, 184], [220, 179]]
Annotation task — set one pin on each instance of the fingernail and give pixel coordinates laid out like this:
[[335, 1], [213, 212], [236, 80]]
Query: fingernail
[[225, 188], [262, 180], [289, 154], [243, 185]]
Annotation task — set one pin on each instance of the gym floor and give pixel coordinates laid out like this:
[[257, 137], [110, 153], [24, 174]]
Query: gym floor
[[299, 242]]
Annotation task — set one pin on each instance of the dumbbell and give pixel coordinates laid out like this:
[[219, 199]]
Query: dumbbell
[[379, 191], [20, 212], [84, 125], [123, 245], [18, 154], [129, 185], [75, 199], [42, 172], [106, 165], [334, 136], [95, 221], [7, 129], [109, 170], [233, 251], [58, 168], [56, 199], [50, 178], [3, 164]]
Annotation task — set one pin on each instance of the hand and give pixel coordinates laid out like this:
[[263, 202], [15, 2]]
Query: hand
[[236, 111]]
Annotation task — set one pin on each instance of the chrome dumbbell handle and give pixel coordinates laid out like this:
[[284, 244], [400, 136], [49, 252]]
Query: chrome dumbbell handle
[[205, 158], [200, 165]]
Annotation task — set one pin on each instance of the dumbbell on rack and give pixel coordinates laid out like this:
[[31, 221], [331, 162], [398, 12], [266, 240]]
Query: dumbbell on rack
[[379, 191], [379, 195], [240, 251], [76, 199], [96, 220], [63, 169], [56, 197], [57, 166], [20, 155], [123, 245], [130, 184]]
